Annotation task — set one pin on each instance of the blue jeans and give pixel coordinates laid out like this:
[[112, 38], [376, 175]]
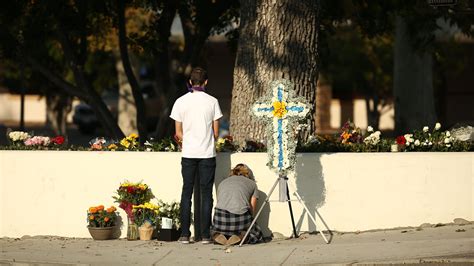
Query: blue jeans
[[206, 169]]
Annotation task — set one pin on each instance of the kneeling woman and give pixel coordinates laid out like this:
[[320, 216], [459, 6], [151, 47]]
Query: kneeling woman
[[236, 203]]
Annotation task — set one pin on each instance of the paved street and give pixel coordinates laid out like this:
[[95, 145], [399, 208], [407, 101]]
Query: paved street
[[449, 244]]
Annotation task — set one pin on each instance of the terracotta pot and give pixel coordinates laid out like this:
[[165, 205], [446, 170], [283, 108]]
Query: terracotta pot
[[101, 233]]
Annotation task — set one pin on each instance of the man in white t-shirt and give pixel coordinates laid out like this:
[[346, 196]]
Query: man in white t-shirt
[[196, 116]]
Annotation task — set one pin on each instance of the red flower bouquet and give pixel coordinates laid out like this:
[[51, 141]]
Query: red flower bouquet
[[129, 194]]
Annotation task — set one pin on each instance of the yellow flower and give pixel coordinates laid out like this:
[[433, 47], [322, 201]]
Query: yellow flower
[[112, 147], [346, 135], [125, 143], [279, 109], [220, 141], [133, 136]]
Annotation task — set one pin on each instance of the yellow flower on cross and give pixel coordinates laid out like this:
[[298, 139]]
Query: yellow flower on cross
[[279, 109]]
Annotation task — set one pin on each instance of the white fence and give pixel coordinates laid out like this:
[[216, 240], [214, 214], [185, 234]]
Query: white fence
[[48, 192]]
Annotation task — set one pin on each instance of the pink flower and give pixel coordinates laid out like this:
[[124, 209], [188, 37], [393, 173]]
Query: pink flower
[[37, 141]]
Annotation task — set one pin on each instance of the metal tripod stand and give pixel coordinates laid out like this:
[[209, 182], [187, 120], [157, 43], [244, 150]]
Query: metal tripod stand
[[284, 196]]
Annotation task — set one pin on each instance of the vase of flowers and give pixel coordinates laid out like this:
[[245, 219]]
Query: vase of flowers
[[169, 212], [128, 195], [145, 216], [102, 222]]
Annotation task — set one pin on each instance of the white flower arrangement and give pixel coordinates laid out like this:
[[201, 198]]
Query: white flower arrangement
[[18, 136], [409, 139], [284, 110], [373, 139]]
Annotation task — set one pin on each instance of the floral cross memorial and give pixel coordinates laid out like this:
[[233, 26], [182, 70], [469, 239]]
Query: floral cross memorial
[[282, 111]]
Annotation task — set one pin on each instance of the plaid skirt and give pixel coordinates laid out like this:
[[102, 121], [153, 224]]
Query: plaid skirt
[[228, 224]]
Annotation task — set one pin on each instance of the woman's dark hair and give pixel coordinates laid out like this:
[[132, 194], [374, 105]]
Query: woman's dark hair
[[198, 76]]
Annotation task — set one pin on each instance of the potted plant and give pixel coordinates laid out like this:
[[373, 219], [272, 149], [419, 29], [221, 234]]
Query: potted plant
[[169, 211], [101, 222], [128, 195], [145, 216]]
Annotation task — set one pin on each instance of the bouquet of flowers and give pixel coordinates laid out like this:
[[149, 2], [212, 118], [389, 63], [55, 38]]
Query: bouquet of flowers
[[38, 141], [130, 142], [226, 144], [129, 194], [18, 137], [98, 217], [254, 146], [350, 134], [145, 212], [426, 140], [166, 144], [170, 210], [374, 138], [58, 140]]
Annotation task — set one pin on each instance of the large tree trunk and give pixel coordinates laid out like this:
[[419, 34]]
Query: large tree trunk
[[132, 80], [126, 110], [166, 87], [278, 39], [57, 108], [413, 83]]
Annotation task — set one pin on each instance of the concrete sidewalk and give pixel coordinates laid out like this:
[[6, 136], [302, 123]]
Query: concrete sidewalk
[[449, 244]]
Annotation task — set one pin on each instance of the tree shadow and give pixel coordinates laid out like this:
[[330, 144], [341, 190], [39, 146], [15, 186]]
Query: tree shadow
[[310, 186]]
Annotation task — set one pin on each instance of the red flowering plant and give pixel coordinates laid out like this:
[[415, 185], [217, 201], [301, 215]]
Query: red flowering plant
[[129, 194], [97, 216], [58, 140]]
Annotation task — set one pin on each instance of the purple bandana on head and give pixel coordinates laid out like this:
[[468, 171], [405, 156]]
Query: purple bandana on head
[[196, 88]]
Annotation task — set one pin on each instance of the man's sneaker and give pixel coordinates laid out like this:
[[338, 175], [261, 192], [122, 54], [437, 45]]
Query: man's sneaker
[[184, 240], [206, 240]]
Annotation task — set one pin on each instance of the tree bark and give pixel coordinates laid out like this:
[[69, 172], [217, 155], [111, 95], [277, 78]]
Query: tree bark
[[57, 108], [278, 39], [166, 88], [132, 80], [126, 109], [413, 83]]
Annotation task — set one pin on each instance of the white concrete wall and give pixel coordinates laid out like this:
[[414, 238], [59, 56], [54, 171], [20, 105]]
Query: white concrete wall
[[48, 193]]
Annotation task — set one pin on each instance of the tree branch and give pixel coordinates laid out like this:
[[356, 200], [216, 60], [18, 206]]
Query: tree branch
[[56, 80]]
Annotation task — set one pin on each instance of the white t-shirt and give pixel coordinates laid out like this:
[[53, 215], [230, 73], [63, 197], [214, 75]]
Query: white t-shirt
[[197, 111]]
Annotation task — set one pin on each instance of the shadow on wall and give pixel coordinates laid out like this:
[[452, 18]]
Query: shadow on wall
[[310, 186], [223, 168], [264, 216]]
